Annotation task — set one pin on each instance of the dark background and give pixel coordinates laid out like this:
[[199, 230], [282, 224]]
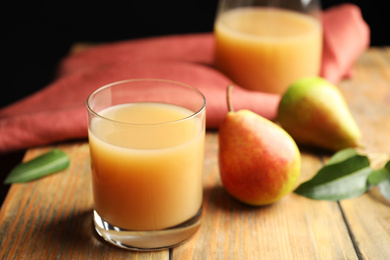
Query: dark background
[[35, 35]]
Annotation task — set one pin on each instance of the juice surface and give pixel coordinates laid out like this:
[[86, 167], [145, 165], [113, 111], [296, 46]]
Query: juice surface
[[147, 175], [266, 49]]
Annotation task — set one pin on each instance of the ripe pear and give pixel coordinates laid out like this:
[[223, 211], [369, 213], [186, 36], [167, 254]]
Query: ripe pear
[[314, 112], [259, 162]]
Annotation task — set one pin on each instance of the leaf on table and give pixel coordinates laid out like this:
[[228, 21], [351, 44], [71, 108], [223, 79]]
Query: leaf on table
[[381, 178], [342, 155], [343, 176], [48, 163]]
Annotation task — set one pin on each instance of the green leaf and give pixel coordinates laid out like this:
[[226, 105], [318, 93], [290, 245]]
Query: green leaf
[[343, 177], [380, 175], [342, 155], [381, 178], [50, 162]]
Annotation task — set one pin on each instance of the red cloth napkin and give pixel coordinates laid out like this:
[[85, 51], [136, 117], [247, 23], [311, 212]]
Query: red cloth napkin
[[346, 36], [58, 112]]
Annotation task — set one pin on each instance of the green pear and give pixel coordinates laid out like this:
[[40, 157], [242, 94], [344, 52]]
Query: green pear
[[259, 162], [314, 112]]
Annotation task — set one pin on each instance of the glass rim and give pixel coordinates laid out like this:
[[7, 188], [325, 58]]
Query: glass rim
[[194, 113]]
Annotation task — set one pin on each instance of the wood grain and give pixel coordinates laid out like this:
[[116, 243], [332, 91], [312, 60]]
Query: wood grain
[[51, 218], [293, 228], [368, 93]]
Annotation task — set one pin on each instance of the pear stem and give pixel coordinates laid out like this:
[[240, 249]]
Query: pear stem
[[228, 98]]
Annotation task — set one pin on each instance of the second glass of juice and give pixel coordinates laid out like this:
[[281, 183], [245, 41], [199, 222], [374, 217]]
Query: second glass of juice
[[146, 140], [265, 45]]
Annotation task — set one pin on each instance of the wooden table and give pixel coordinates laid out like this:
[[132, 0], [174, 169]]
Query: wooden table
[[52, 217]]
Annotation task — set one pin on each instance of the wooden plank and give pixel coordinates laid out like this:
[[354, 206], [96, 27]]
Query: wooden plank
[[368, 95], [52, 217], [293, 228], [54, 220], [369, 220]]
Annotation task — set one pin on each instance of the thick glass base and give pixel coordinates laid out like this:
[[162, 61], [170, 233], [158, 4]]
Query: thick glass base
[[147, 240]]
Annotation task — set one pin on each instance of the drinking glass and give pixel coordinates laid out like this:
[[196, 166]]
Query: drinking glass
[[146, 139], [265, 45]]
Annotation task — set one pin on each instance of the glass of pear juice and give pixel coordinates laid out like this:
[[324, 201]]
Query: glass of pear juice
[[265, 45], [146, 139]]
